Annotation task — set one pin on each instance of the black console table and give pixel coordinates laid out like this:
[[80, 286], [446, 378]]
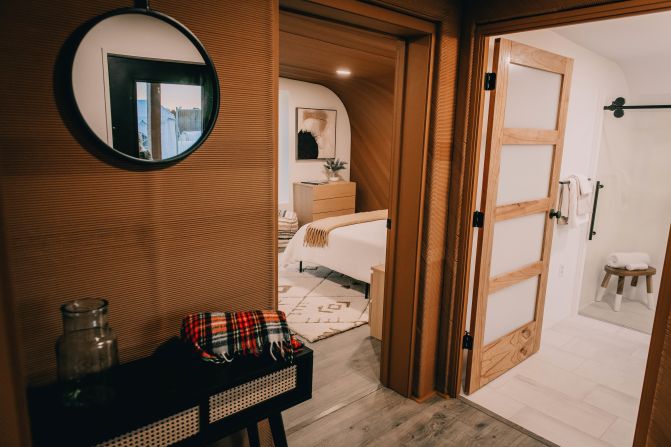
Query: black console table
[[174, 399]]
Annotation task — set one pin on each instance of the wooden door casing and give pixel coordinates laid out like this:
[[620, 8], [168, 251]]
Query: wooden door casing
[[488, 362], [652, 427]]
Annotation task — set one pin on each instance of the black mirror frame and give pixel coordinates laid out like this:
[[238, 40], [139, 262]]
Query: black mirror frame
[[207, 128]]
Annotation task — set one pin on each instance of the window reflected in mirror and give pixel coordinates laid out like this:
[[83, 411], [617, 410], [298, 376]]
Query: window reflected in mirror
[[169, 118]]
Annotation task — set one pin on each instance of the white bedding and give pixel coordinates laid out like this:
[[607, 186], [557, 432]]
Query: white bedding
[[352, 250]]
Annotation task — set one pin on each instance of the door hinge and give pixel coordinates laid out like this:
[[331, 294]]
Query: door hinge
[[478, 219], [490, 81], [388, 224], [467, 341]]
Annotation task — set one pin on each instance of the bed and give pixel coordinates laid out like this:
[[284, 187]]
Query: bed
[[352, 250]]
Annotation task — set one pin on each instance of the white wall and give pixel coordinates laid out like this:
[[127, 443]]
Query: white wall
[[129, 35], [305, 94], [634, 209], [639, 44], [595, 81]]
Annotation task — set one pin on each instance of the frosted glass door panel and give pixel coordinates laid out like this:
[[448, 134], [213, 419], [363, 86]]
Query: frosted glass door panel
[[524, 173], [517, 243], [510, 308], [532, 99]]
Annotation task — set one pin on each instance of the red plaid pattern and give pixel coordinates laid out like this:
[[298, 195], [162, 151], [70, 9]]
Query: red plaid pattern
[[221, 336]]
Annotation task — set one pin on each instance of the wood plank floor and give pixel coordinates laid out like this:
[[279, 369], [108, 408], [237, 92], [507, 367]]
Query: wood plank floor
[[349, 407]]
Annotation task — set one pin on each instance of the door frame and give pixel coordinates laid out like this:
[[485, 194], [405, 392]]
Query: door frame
[[651, 414], [412, 112], [473, 53]]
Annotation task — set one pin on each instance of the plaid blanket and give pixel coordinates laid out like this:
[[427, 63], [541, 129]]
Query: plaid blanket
[[221, 336]]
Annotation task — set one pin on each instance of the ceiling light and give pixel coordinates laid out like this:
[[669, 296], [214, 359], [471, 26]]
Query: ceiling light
[[343, 72]]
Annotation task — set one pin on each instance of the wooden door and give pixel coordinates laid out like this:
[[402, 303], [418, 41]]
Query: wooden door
[[654, 413], [525, 134]]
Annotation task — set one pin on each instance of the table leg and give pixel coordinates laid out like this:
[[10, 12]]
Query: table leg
[[648, 284], [253, 435], [634, 281], [602, 290], [277, 429], [618, 296]]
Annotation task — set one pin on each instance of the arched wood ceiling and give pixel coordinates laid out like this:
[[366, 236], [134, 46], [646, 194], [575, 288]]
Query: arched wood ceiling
[[311, 50]]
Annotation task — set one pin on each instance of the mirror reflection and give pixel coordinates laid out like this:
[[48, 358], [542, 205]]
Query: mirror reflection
[[143, 87], [181, 118]]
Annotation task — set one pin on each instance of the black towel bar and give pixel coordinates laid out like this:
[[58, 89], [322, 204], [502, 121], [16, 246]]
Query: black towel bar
[[565, 182]]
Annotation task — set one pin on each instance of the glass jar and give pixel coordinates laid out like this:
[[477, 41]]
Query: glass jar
[[86, 352]]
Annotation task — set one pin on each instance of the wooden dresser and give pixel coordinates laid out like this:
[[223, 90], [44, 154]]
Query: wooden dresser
[[313, 202]]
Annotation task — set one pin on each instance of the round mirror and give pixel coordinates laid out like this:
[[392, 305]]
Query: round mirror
[[144, 85]]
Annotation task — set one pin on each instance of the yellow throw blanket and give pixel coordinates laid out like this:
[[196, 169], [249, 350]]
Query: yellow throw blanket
[[317, 233]]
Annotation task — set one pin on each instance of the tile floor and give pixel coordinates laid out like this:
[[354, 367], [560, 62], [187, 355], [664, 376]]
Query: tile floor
[[634, 313], [581, 389]]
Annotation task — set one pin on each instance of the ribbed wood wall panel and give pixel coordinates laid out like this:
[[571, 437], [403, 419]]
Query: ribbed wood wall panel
[[370, 105], [158, 244]]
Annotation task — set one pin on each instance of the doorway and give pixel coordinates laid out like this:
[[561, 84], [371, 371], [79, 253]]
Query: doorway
[[362, 78], [336, 96], [583, 385]]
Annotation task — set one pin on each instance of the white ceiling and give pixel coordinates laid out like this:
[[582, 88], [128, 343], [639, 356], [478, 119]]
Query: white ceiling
[[640, 45]]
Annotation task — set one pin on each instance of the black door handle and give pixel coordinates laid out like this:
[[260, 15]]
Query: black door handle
[[555, 214]]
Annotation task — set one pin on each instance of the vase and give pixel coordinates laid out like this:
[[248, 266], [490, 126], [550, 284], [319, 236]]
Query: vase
[[334, 177], [86, 352]]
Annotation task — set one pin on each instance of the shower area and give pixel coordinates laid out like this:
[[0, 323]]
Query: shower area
[[631, 214]]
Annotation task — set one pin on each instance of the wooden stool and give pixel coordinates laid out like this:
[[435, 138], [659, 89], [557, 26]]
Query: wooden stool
[[621, 274]]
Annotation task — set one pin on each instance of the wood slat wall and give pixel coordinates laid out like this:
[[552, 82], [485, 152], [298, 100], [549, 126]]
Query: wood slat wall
[[158, 244], [370, 105]]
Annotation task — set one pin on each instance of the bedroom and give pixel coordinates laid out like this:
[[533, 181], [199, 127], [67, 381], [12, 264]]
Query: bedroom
[[337, 90]]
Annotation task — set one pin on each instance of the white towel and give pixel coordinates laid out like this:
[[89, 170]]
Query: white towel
[[575, 216], [636, 266], [563, 205], [574, 201], [620, 260], [584, 184], [583, 195]]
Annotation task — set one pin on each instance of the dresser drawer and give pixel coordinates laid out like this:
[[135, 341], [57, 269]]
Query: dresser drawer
[[331, 190], [338, 203], [312, 202]]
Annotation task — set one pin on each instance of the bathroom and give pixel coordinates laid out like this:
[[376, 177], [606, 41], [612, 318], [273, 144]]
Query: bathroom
[[584, 382]]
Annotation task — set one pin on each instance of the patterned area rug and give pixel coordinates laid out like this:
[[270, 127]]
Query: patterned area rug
[[319, 302]]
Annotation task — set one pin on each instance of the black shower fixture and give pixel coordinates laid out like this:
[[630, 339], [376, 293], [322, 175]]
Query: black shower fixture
[[617, 107]]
